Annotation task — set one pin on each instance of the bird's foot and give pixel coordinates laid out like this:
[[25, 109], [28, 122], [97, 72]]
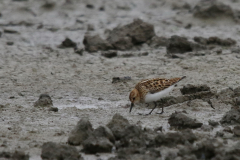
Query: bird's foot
[[160, 113], [143, 114]]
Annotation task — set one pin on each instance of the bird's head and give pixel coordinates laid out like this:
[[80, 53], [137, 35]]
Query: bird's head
[[134, 97]]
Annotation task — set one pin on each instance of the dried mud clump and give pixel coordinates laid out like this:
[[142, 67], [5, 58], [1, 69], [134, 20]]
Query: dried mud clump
[[109, 54], [52, 150], [125, 37], [180, 120], [81, 132], [17, 155], [179, 44], [44, 101], [191, 89], [212, 9], [95, 43], [215, 41], [68, 43], [156, 42], [232, 116]]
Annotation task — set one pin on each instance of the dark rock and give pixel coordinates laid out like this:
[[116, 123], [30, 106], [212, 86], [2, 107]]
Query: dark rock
[[48, 5], [54, 109], [17, 155], [236, 131], [102, 8], [213, 123], [178, 5], [90, 6], [137, 32], [158, 42], [10, 31], [117, 126], [200, 40], [95, 144], [68, 43], [232, 116], [79, 51], [227, 129], [81, 132], [180, 121], [90, 27], [109, 54], [120, 79], [212, 9], [103, 131], [237, 101], [179, 44], [10, 43], [190, 89], [95, 43], [44, 101], [219, 134], [221, 42], [52, 150], [237, 91]]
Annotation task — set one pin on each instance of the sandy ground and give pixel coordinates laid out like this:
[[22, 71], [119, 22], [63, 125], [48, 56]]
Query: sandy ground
[[80, 86]]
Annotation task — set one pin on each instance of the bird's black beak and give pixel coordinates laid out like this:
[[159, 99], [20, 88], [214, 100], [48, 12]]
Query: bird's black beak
[[132, 104]]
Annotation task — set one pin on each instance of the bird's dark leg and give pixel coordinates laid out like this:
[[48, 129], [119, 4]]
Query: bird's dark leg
[[147, 104], [155, 105], [162, 109]]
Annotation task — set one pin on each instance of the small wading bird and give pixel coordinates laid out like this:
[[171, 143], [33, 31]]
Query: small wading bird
[[152, 90]]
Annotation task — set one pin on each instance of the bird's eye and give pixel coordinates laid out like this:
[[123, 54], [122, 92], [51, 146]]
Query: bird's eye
[[134, 98]]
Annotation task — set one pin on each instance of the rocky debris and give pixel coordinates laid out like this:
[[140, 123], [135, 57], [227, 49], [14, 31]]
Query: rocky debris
[[181, 121], [137, 32], [94, 144], [213, 123], [232, 116], [191, 89], [17, 155], [54, 109], [81, 132], [109, 54], [10, 31], [237, 101], [180, 5], [212, 10], [95, 43], [90, 6], [236, 92], [52, 150], [120, 79], [104, 131], [219, 134], [172, 139], [215, 41], [90, 27], [44, 101], [227, 129], [156, 42], [236, 131], [117, 125], [10, 43], [79, 51], [68, 43], [179, 44]]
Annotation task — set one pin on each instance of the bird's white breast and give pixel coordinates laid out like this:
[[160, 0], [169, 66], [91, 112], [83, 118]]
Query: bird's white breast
[[157, 96]]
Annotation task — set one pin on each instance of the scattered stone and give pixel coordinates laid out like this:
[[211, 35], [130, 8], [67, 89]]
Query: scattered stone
[[227, 129], [201, 40], [212, 9], [236, 92], [54, 109], [120, 79], [132, 54], [232, 116], [182, 121], [97, 144], [90, 27], [179, 44], [48, 5], [219, 134], [213, 123], [44, 101], [102, 8], [237, 101], [10, 43], [10, 31], [52, 150], [109, 54], [95, 43], [221, 42], [191, 89], [236, 131], [68, 43], [179, 5], [104, 131], [81, 132], [117, 126], [137, 32], [90, 6], [79, 51], [156, 42]]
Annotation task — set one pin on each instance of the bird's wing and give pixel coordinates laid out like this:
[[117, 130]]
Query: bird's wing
[[158, 84]]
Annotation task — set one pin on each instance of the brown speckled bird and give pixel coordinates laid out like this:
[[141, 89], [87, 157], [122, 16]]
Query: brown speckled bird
[[152, 90]]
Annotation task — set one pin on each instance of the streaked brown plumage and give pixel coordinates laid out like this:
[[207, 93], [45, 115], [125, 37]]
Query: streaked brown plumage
[[151, 90]]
